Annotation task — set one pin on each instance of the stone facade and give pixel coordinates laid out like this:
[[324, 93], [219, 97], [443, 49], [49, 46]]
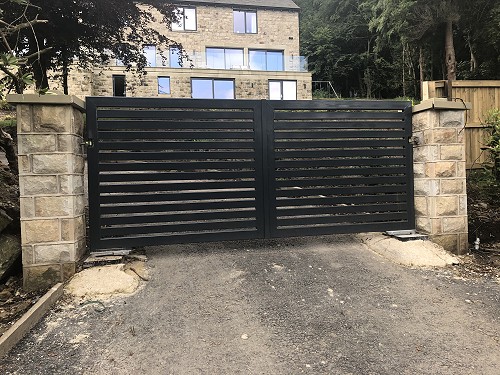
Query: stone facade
[[440, 175], [50, 130], [278, 30]]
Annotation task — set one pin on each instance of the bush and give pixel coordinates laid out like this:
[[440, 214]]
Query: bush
[[493, 142]]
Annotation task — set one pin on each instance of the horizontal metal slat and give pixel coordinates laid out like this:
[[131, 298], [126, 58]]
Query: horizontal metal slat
[[185, 166], [352, 191], [192, 227], [137, 145], [124, 124], [311, 154], [177, 217], [195, 135], [139, 208], [344, 125], [175, 187], [334, 144], [353, 171], [170, 114], [204, 155], [175, 238], [358, 181], [379, 161], [343, 115], [341, 228], [363, 218], [158, 176], [396, 105], [354, 134], [326, 201], [319, 210], [185, 196]]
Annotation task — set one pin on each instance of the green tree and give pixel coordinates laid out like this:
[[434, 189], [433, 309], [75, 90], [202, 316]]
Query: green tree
[[86, 31]]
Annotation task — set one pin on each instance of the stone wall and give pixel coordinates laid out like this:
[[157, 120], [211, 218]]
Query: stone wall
[[440, 174], [50, 130]]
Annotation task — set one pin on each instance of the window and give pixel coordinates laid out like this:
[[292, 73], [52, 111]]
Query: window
[[186, 19], [205, 88], [224, 58], [163, 85], [175, 58], [119, 85], [150, 54], [283, 90], [266, 60], [245, 22]]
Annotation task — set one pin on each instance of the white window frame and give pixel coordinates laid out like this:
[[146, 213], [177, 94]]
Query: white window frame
[[169, 88], [284, 93], [213, 84], [245, 12]]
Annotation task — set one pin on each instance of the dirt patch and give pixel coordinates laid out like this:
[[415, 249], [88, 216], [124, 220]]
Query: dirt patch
[[14, 302]]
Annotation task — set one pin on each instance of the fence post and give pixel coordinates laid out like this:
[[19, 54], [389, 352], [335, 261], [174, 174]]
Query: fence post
[[51, 167], [440, 174]]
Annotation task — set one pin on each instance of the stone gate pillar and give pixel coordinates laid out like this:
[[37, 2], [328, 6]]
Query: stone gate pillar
[[51, 167], [440, 174]]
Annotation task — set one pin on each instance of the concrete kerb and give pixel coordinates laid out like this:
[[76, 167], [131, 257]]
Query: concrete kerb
[[15, 333]]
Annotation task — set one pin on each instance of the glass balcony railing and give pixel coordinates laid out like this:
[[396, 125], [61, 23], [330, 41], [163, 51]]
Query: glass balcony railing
[[229, 61]]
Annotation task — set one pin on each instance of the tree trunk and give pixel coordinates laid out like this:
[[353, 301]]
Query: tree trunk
[[421, 65], [473, 59], [65, 72], [451, 62]]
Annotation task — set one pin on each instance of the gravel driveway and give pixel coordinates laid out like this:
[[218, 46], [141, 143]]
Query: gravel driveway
[[322, 305]]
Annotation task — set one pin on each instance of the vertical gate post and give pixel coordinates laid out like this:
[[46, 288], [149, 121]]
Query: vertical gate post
[[51, 168], [440, 174]]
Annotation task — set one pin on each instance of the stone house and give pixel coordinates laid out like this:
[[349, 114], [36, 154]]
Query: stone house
[[237, 49]]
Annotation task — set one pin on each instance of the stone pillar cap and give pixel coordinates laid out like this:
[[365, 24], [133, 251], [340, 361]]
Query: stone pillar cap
[[441, 104], [46, 100]]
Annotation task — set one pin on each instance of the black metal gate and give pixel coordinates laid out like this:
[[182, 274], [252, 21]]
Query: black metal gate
[[185, 170]]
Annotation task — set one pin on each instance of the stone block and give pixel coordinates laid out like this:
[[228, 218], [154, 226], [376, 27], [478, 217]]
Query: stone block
[[24, 164], [71, 184], [452, 119], [68, 270], [48, 164], [40, 231], [69, 143], [78, 123], [41, 277], [421, 207], [446, 206], [423, 225], [422, 154], [444, 169], [52, 118], [38, 185], [463, 244], [27, 207], [28, 255], [426, 187], [32, 143], [73, 229], [454, 224], [453, 186], [54, 206], [78, 164], [461, 169], [452, 152], [444, 136], [436, 226], [53, 254], [24, 118], [419, 170], [462, 208], [450, 242]]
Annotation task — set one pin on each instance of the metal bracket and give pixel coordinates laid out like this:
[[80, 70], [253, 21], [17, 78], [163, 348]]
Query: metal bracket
[[88, 143]]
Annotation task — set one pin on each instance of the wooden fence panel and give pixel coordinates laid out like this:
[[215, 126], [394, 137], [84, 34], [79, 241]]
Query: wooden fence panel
[[484, 96]]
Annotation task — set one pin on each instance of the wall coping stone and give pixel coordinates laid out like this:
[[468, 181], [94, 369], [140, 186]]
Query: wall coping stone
[[74, 101], [440, 104]]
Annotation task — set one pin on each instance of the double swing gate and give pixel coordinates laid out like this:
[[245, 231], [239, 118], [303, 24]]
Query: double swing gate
[[165, 171]]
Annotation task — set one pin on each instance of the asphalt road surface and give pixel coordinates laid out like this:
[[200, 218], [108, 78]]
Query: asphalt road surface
[[321, 305]]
